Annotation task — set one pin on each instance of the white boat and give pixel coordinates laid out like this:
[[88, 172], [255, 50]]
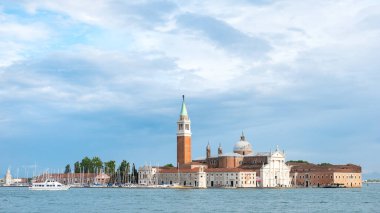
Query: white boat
[[98, 185], [49, 185]]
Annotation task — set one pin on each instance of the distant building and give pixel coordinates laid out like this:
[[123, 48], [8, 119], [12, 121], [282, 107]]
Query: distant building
[[270, 167], [183, 137], [231, 177], [325, 175], [9, 181], [76, 178], [8, 178], [20, 181], [147, 175], [199, 177], [194, 177], [243, 167]]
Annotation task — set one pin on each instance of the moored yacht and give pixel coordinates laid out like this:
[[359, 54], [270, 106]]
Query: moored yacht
[[49, 185]]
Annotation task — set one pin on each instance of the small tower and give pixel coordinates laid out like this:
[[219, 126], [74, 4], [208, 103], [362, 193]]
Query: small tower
[[8, 178], [183, 136], [208, 151], [220, 151]]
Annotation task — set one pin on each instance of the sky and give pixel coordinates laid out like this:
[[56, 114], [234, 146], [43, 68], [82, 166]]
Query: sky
[[106, 78]]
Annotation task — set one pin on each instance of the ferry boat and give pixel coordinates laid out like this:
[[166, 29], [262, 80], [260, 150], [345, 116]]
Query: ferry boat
[[49, 185]]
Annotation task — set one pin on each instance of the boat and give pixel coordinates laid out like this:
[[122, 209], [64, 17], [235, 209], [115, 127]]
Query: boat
[[335, 185], [49, 185], [98, 185]]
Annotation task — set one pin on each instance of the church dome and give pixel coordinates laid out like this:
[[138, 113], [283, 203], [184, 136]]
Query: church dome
[[243, 147]]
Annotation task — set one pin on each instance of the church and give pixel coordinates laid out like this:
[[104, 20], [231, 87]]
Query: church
[[241, 168]]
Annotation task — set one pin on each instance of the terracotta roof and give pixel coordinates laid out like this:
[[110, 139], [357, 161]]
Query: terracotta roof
[[197, 163], [230, 155], [309, 167], [228, 170], [175, 170], [73, 175], [252, 166], [195, 170]]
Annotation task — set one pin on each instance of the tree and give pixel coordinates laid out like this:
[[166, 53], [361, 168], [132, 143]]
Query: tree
[[97, 164], [77, 167], [86, 165], [135, 174], [124, 171], [110, 166], [297, 161], [169, 165], [67, 169]]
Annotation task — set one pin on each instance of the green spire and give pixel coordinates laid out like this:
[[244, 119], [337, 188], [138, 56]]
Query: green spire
[[183, 109]]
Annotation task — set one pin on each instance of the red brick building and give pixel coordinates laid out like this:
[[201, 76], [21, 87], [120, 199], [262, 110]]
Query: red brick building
[[325, 175]]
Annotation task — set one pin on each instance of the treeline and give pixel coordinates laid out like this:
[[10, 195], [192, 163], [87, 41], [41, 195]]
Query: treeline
[[297, 161], [122, 173], [373, 181]]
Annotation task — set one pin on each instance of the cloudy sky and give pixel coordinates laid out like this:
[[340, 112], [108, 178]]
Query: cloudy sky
[[105, 78]]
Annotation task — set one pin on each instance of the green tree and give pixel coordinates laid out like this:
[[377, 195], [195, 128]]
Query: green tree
[[123, 171], [110, 166], [86, 165], [168, 165], [135, 174], [77, 167], [97, 164], [297, 161], [67, 169]]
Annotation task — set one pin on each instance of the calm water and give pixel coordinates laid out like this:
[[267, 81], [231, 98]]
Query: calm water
[[366, 199]]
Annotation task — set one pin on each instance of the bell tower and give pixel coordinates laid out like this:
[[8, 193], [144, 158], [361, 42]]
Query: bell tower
[[220, 150], [183, 136], [208, 151]]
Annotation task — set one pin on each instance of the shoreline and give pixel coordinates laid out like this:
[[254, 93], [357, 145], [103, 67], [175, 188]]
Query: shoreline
[[185, 188]]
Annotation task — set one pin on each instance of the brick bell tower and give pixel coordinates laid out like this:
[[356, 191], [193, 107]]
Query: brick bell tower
[[183, 137]]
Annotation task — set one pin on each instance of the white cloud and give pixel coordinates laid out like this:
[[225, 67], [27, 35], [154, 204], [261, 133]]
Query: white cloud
[[17, 39], [293, 29], [319, 66], [23, 32]]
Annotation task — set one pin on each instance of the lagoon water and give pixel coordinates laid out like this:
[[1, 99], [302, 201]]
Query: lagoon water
[[366, 199]]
